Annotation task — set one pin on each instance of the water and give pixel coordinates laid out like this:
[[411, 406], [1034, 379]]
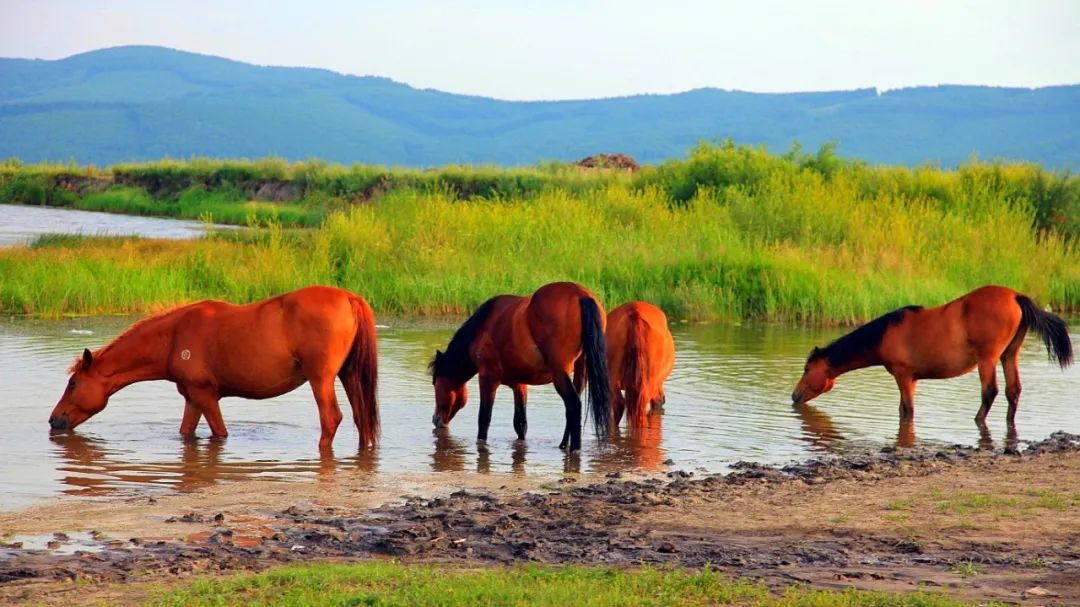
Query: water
[[22, 223], [728, 400]]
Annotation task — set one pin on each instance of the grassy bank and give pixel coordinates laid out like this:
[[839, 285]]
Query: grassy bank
[[391, 584], [297, 194], [801, 238]]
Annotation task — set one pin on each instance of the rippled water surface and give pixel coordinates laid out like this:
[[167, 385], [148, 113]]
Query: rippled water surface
[[22, 223], [727, 401]]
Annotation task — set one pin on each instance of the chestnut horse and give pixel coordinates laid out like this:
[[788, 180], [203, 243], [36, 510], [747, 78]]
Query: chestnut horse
[[519, 341], [640, 356], [213, 349], [913, 343]]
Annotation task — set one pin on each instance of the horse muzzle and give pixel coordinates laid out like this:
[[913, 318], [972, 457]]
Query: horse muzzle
[[57, 422], [797, 397]]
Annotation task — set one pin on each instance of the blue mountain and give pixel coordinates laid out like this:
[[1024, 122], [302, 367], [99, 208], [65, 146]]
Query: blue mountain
[[143, 103]]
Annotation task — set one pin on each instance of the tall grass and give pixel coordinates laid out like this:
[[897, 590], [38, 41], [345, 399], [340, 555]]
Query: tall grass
[[798, 246]]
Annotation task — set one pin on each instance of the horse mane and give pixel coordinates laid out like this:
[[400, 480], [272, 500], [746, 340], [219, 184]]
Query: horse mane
[[845, 349], [138, 325], [456, 362]]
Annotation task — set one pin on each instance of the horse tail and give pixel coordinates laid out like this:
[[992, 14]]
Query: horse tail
[[595, 352], [635, 370], [359, 374], [1053, 330]]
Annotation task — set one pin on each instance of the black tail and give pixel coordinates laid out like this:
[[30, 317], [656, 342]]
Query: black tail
[[595, 352], [1053, 330]]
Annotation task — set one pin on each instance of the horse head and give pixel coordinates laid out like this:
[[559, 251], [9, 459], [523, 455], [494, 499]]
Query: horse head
[[85, 396], [450, 395], [817, 378]]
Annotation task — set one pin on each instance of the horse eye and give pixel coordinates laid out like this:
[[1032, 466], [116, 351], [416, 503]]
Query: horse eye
[[71, 383]]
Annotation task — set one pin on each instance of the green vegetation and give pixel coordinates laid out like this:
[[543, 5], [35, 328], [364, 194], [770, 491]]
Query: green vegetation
[[731, 232], [141, 103], [966, 569], [389, 584]]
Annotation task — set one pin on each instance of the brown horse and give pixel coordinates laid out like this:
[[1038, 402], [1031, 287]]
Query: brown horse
[[519, 341], [213, 349], [913, 343], [640, 356]]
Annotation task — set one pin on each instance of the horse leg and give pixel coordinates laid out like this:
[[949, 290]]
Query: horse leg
[[488, 386], [1010, 361], [521, 425], [192, 415], [329, 411], [565, 387], [906, 383], [618, 405], [580, 375], [207, 402], [988, 378]]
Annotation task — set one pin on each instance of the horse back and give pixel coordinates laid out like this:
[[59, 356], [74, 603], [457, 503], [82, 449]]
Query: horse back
[[948, 340], [554, 321], [262, 349], [651, 323]]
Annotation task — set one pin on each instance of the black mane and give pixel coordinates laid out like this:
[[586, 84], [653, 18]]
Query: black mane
[[845, 349], [456, 363]]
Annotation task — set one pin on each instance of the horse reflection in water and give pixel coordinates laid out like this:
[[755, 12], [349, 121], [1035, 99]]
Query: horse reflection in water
[[633, 448], [452, 455], [818, 428], [95, 469]]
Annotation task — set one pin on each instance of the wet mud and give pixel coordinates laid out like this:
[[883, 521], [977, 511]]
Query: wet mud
[[682, 518]]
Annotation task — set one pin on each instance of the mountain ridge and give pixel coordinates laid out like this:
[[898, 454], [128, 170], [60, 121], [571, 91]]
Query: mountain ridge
[[145, 102]]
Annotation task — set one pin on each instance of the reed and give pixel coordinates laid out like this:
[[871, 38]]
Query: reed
[[798, 246]]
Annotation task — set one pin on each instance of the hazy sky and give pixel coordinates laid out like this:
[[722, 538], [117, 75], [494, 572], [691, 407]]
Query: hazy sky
[[551, 49]]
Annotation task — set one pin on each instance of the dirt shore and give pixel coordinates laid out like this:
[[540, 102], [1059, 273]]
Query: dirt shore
[[975, 524]]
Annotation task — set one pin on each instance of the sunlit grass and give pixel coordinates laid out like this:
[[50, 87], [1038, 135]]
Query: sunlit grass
[[729, 233], [820, 256], [391, 584]]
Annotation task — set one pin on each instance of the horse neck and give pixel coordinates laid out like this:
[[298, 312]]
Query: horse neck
[[867, 358], [139, 355]]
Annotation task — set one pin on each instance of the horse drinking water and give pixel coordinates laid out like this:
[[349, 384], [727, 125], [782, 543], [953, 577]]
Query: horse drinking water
[[519, 341], [913, 343], [213, 349], [640, 355]]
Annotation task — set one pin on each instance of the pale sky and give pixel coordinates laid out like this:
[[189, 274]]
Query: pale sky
[[559, 49]]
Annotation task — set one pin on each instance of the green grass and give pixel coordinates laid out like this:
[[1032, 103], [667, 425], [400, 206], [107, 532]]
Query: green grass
[[391, 584], [807, 240], [967, 569]]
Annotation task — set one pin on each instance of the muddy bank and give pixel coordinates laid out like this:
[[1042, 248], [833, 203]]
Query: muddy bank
[[977, 523]]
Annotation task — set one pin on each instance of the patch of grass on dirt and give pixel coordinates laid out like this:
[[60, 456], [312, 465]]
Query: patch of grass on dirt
[[967, 569], [1003, 506], [900, 504], [389, 584]]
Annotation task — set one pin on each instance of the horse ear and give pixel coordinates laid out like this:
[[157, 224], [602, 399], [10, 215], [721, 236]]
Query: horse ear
[[438, 354], [87, 359]]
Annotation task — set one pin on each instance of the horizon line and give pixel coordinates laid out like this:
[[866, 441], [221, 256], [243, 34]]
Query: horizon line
[[878, 90]]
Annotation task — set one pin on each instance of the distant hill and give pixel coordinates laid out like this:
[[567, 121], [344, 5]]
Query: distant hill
[[143, 103]]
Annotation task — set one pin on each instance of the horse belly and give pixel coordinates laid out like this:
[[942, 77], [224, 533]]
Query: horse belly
[[262, 376]]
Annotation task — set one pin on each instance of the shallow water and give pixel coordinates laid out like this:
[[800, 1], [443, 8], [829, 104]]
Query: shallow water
[[22, 223], [728, 400]]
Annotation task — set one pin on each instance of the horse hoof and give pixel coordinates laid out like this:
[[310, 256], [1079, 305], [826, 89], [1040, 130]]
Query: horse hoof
[[481, 445]]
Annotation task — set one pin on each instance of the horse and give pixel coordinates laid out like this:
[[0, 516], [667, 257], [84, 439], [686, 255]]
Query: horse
[[974, 331], [213, 349], [640, 356], [533, 340]]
